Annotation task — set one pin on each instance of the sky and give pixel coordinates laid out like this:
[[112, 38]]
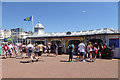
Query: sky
[[60, 16], [60, 0]]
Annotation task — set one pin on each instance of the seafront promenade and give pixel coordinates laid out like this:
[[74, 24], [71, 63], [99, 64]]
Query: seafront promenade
[[59, 67]]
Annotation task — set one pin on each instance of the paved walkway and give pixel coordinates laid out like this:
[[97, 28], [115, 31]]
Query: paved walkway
[[59, 67]]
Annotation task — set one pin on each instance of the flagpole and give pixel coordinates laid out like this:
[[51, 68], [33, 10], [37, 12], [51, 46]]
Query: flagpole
[[32, 25]]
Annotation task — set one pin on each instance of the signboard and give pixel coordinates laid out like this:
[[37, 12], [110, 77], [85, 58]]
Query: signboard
[[114, 41]]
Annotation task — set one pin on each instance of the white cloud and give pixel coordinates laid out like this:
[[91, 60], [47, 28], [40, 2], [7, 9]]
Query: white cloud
[[84, 11]]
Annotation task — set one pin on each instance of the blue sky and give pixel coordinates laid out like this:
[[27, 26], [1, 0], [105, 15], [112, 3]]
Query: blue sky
[[61, 16]]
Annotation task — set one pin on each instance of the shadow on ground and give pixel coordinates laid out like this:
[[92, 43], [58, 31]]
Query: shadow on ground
[[48, 56], [30, 61]]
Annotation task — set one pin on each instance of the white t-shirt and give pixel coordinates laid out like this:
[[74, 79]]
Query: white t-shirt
[[10, 47], [30, 45], [81, 47]]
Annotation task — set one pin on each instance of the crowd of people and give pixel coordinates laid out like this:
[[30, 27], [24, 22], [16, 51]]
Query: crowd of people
[[32, 51], [35, 51], [91, 49]]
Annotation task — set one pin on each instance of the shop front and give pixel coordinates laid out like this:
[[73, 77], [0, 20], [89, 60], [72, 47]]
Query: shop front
[[36, 40], [114, 44], [53, 41], [75, 41]]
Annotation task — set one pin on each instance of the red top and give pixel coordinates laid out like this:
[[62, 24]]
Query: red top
[[95, 50], [104, 47], [5, 48]]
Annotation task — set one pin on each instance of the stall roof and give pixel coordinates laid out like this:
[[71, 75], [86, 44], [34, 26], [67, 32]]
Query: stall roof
[[78, 33]]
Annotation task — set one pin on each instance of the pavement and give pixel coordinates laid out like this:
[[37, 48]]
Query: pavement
[[59, 67]]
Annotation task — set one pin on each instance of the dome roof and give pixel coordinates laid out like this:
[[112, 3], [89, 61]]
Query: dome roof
[[38, 25]]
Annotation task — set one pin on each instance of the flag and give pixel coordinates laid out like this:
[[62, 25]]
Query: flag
[[28, 18]]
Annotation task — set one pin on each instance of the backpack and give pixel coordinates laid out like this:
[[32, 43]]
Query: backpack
[[30, 49]]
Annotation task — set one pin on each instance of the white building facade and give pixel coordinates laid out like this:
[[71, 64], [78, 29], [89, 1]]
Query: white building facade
[[7, 33], [1, 35], [38, 29], [106, 35]]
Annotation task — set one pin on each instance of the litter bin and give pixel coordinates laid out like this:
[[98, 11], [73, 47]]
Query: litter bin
[[106, 53], [59, 50]]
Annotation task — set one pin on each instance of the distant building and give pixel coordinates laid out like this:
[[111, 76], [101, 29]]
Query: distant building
[[28, 32], [1, 35], [17, 30], [25, 34], [7, 33], [15, 35], [18, 36]]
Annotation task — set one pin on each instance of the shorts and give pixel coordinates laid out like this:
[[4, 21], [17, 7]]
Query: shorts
[[16, 51], [10, 51], [82, 53], [56, 50], [93, 54], [29, 54], [36, 52], [5, 52], [49, 49], [40, 53], [23, 50], [45, 50]]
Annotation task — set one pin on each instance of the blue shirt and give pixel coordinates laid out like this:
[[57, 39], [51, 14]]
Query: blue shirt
[[71, 48]]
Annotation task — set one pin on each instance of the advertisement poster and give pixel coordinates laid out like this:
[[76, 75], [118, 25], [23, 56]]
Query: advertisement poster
[[114, 42]]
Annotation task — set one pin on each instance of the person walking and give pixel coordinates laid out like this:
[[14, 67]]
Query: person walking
[[100, 47], [71, 51], [81, 50], [94, 54], [10, 50], [45, 49], [41, 47], [23, 50], [49, 49], [36, 52], [30, 48], [87, 50], [56, 49], [16, 50], [91, 50], [5, 47]]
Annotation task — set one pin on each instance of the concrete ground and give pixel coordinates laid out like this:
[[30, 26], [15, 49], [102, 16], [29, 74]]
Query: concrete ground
[[59, 67]]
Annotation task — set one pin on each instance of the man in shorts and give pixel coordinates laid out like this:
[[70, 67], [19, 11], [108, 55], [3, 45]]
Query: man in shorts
[[30, 48], [41, 46], [81, 50]]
